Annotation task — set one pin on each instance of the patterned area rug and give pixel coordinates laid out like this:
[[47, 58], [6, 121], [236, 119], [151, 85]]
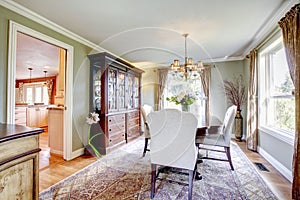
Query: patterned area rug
[[125, 174]]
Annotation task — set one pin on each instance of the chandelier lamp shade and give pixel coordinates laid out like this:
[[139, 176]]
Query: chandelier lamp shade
[[188, 70]]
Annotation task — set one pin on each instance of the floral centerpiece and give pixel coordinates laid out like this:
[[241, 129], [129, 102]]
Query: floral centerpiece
[[185, 99], [92, 119]]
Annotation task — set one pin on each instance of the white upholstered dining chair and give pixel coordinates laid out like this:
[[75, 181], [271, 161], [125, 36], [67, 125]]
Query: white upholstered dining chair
[[173, 143], [219, 136], [145, 110]]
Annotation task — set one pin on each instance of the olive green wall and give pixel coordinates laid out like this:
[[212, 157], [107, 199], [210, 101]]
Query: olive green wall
[[219, 102], [79, 62], [149, 86]]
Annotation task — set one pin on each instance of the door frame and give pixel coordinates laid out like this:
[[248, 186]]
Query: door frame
[[11, 83]]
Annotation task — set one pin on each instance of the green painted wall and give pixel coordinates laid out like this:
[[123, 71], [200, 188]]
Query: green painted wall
[[80, 65]]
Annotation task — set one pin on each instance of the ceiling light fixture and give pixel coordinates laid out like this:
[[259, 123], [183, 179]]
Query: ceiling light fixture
[[188, 70], [45, 83], [30, 73]]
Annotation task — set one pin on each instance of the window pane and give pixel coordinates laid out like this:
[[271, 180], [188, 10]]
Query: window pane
[[283, 116], [29, 95], [45, 95], [38, 94], [281, 83]]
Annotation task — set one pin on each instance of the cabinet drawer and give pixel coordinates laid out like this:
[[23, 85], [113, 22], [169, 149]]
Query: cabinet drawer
[[18, 146], [133, 122], [20, 114], [134, 131], [134, 114], [20, 120], [115, 139], [116, 128], [116, 119], [20, 109]]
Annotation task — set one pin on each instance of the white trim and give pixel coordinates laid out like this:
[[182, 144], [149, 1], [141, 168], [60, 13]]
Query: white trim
[[45, 22], [14, 28], [277, 165], [270, 25], [77, 153], [21, 10], [57, 152], [280, 135]]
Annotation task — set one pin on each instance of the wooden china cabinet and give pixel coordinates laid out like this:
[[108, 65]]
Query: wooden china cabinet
[[115, 93]]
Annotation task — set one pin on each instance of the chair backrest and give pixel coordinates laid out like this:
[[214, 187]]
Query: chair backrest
[[228, 123], [173, 138], [146, 109]]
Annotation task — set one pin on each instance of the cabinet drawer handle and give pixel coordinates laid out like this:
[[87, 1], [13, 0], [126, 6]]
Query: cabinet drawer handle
[[109, 120], [109, 129], [110, 140]]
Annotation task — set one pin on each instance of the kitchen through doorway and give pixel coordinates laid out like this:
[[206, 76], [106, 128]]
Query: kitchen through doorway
[[40, 80]]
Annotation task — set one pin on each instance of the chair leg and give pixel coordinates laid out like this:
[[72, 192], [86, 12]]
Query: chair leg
[[145, 147], [191, 179], [153, 179], [227, 150]]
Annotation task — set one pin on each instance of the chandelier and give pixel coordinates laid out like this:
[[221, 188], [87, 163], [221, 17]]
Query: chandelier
[[188, 70]]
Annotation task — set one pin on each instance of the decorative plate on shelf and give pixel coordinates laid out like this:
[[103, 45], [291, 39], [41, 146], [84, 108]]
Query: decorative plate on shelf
[[97, 90]]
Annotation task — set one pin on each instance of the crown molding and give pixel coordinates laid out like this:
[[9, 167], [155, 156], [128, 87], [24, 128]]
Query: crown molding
[[21, 10], [269, 26], [11, 5]]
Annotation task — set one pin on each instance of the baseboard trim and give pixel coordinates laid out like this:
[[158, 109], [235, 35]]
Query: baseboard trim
[[57, 152], [277, 165]]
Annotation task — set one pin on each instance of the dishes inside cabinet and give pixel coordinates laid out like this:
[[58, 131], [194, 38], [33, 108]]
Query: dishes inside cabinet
[[97, 90]]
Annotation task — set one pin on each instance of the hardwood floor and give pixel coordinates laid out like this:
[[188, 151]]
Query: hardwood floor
[[54, 168], [280, 186]]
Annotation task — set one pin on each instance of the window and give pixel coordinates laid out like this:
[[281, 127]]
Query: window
[[277, 103], [175, 86], [36, 93]]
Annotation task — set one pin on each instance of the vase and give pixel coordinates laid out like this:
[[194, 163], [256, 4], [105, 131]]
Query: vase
[[185, 107], [238, 124]]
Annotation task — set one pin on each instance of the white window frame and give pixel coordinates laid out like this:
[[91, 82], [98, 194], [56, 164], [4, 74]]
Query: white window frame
[[34, 86], [264, 94], [201, 99]]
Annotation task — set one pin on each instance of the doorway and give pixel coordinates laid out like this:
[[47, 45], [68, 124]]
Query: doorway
[[66, 104]]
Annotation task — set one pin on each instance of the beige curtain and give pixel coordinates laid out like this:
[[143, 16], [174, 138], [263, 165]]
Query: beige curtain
[[162, 80], [252, 126], [205, 79], [290, 26]]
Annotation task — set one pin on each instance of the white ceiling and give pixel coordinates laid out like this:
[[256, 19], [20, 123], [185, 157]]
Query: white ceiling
[[35, 54], [149, 33]]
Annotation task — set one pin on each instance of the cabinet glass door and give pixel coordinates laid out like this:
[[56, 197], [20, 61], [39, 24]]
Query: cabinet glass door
[[112, 89], [97, 91], [130, 91], [136, 92], [121, 90]]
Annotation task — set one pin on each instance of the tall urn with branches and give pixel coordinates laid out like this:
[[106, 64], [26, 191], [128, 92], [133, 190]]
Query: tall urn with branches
[[236, 93]]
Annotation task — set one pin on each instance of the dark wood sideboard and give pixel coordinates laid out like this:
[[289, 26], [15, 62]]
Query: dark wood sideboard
[[19, 163]]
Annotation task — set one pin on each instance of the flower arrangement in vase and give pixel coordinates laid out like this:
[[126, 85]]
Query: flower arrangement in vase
[[185, 99]]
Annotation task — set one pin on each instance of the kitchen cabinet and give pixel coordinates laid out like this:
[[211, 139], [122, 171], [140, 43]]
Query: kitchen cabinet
[[37, 116], [115, 94], [20, 115], [55, 129]]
